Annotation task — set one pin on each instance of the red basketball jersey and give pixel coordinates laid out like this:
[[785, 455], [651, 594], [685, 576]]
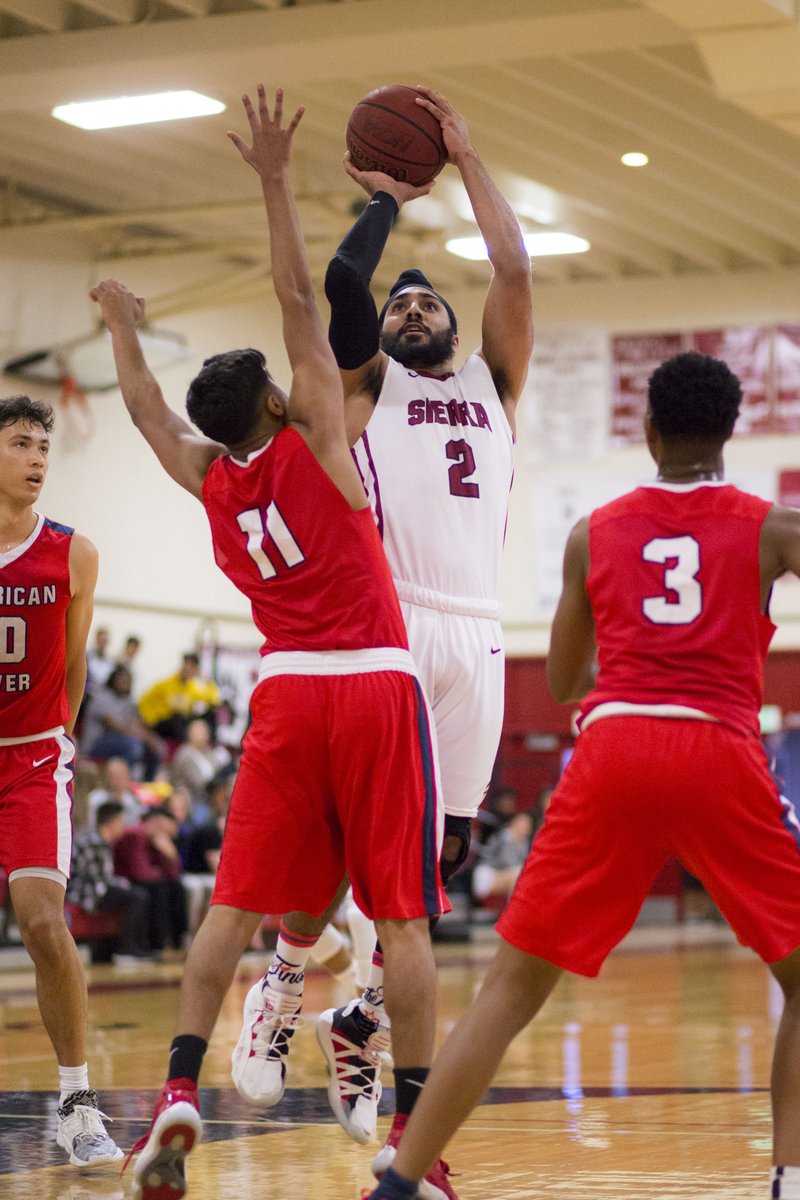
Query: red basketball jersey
[[313, 569], [674, 585], [34, 597]]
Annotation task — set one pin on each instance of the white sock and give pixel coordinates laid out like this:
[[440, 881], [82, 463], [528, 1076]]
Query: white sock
[[785, 1183], [72, 1079], [362, 935], [371, 1003], [287, 971]]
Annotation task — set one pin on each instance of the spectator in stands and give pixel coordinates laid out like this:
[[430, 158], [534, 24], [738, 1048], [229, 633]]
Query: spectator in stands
[[99, 662], [205, 846], [146, 854], [118, 786], [205, 841], [170, 704], [503, 857], [179, 803], [130, 649], [112, 727], [196, 762], [496, 811], [94, 886]]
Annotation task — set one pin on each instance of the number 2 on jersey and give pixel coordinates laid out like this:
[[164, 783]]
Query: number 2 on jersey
[[463, 466], [681, 559], [269, 526]]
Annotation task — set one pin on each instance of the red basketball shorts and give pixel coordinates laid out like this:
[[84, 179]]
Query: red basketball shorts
[[338, 775], [637, 791], [36, 804]]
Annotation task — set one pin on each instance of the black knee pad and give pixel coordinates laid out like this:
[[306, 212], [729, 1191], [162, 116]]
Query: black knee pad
[[461, 828]]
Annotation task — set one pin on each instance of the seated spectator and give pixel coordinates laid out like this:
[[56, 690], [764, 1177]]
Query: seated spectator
[[95, 887], [496, 811], [170, 704], [196, 762], [503, 857], [118, 785], [146, 854], [130, 649], [99, 663], [112, 727], [205, 846]]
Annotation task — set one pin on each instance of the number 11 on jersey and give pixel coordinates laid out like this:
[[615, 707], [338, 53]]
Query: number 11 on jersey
[[269, 526]]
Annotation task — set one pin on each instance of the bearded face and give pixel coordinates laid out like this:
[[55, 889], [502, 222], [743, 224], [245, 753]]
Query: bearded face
[[419, 349]]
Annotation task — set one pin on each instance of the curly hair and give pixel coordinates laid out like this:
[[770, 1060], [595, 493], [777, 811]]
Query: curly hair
[[694, 396], [222, 400], [22, 408]]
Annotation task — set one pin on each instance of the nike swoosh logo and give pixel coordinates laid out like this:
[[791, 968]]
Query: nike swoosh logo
[[497, 651], [37, 762]]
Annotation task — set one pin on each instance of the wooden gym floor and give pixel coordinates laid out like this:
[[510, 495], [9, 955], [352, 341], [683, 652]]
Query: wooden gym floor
[[651, 1081]]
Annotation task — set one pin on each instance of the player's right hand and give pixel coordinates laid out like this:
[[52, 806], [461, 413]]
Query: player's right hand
[[118, 303]]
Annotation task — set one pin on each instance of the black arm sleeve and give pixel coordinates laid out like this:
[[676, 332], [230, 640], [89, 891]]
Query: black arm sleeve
[[354, 330]]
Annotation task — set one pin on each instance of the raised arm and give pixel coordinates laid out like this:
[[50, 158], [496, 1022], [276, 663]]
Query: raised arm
[[315, 379], [354, 330], [182, 453], [570, 659], [507, 332], [316, 405]]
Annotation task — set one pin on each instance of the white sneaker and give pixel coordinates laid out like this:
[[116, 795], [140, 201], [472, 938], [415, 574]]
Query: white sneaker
[[258, 1062], [82, 1134], [353, 1050]]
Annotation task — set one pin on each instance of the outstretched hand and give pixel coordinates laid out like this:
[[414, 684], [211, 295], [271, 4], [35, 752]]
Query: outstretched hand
[[455, 130], [118, 304], [271, 149]]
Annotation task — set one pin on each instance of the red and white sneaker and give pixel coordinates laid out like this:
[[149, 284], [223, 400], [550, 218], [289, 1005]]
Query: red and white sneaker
[[435, 1185], [159, 1172], [258, 1062]]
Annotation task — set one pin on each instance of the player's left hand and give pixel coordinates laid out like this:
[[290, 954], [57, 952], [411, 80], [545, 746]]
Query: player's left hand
[[455, 131], [379, 181], [269, 154], [118, 304]]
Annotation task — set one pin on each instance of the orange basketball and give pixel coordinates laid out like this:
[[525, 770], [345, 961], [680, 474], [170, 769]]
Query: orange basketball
[[388, 131]]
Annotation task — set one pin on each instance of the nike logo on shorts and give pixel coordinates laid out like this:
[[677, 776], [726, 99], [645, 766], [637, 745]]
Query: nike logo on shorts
[[37, 762], [497, 651]]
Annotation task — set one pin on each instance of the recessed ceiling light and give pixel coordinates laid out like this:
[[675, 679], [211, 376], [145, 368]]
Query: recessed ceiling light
[[537, 245], [635, 159], [137, 110]]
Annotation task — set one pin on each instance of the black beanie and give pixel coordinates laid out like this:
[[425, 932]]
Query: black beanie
[[414, 278]]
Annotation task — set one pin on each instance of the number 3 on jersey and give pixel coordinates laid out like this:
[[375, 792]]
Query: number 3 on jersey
[[269, 527], [681, 559]]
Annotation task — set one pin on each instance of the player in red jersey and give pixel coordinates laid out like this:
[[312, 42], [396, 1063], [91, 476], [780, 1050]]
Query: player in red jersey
[[670, 585], [338, 771], [47, 580]]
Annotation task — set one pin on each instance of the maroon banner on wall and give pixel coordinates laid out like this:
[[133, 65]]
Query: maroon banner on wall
[[766, 358]]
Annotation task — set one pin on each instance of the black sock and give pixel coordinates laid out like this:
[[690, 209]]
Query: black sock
[[186, 1057], [394, 1187], [408, 1083]]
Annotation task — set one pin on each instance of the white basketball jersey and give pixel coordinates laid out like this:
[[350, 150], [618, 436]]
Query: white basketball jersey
[[436, 460]]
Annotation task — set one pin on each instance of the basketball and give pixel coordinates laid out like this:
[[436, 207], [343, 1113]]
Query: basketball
[[389, 132]]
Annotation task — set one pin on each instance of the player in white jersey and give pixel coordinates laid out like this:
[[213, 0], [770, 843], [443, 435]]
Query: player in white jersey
[[434, 446]]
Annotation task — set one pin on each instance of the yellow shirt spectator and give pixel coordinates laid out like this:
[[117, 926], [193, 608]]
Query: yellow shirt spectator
[[169, 704]]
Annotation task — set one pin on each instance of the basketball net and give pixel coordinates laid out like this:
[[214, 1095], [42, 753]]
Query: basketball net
[[78, 417]]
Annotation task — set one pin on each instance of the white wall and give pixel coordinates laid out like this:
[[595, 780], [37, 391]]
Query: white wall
[[157, 575]]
